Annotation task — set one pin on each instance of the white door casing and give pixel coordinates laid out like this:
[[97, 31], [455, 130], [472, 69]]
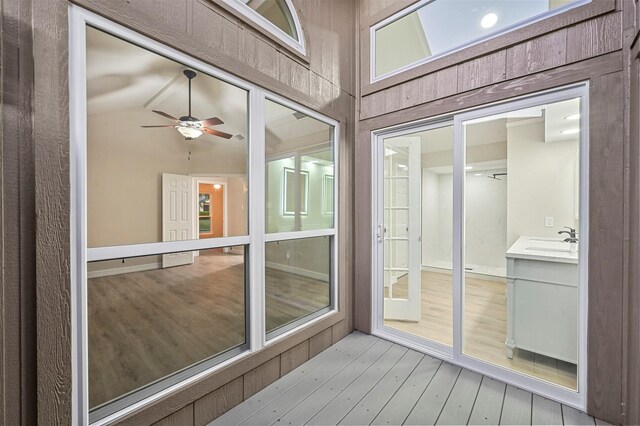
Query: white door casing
[[177, 216], [401, 226]]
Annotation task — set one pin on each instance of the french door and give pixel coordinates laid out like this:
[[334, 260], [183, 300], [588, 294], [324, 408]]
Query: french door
[[480, 240]]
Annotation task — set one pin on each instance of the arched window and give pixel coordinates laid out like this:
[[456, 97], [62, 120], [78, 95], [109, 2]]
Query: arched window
[[277, 17]]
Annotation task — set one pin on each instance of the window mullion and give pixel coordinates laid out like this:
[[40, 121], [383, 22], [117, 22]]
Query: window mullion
[[256, 219]]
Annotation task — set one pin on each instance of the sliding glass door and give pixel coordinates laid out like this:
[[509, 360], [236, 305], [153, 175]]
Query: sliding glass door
[[481, 226]]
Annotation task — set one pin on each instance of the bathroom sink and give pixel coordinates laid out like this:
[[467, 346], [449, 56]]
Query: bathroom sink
[[547, 240], [549, 249]]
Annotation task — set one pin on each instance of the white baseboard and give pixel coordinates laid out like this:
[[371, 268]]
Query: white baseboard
[[297, 271], [124, 270]]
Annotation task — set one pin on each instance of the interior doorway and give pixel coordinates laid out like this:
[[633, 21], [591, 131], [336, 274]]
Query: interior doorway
[[210, 210]]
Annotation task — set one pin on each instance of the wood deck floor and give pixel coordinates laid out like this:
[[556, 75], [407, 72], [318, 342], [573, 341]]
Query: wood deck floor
[[364, 380]]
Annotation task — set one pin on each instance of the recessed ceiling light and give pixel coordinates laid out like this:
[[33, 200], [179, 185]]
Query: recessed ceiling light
[[478, 174], [469, 167], [570, 131], [572, 117], [489, 20], [402, 166], [217, 186]]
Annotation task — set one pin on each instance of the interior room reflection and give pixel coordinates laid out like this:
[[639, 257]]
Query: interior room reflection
[[167, 154], [521, 232]]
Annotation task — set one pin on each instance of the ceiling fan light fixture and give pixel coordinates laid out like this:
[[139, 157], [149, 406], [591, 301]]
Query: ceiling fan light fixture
[[189, 132]]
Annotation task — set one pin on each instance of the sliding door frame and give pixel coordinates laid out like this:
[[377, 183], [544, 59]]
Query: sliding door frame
[[455, 355]]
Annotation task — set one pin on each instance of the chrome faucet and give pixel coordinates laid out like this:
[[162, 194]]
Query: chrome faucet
[[573, 236]]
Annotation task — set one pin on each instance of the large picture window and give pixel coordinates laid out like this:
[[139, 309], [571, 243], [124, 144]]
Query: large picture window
[[433, 28], [180, 263]]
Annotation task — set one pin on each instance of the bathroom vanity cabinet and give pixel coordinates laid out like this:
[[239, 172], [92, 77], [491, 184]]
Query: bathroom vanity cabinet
[[542, 298]]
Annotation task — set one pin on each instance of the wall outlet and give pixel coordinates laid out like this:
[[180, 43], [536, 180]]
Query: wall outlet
[[548, 221]]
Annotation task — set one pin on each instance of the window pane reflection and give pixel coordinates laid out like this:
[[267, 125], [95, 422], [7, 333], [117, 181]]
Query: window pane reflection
[[142, 183], [298, 279], [148, 321], [299, 171]]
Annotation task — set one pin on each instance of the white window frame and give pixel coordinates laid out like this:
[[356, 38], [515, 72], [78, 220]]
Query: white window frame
[[256, 238], [263, 23], [404, 12], [453, 354]]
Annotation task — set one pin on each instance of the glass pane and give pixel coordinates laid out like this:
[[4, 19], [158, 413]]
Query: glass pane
[[298, 279], [142, 183], [299, 154], [148, 321], [522, 189], [418, 206], [277, 12], [443, 25]]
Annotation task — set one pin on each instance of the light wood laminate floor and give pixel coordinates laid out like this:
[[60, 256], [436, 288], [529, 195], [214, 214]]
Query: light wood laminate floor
[[485, 325], [146, 325], [364, 380]]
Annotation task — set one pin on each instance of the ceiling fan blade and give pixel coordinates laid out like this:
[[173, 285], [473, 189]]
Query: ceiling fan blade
[[164, 125], [211, 121], [217, 133], [164, 114]]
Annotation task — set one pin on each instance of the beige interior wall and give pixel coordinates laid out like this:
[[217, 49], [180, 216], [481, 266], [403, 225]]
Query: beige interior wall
[[541, 182], [126, 207], [400, 43]]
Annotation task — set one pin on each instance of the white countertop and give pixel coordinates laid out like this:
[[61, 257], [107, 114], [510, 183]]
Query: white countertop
[[541, 248]]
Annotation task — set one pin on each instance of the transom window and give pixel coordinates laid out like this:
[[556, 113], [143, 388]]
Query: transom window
[[277, 17], [434, 28]]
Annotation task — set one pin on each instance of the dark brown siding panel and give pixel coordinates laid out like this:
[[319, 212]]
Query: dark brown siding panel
[[261, 377], [605, 247], [294, 357], [51, 133], [183, 417], [339, 331], [595, 37], [481, 72], [319, 342], [218, 402], [548, 51]]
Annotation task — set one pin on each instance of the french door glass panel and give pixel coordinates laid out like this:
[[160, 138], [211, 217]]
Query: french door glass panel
[[417, 180], [496, 216], [521, 231]]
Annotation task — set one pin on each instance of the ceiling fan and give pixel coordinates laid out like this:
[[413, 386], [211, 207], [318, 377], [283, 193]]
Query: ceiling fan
[[189, 126]]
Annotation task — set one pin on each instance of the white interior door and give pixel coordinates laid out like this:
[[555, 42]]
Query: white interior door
[[177, 216], [401, 227]]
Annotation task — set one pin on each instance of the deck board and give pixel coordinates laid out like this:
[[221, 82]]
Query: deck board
[[545, 411], [366, 380], [301, 390], [344, 402], [429, 406], [457, 409], [516, 408], [488, 406], [398, 408], [241, 412], [369, 407], [303, 412]]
